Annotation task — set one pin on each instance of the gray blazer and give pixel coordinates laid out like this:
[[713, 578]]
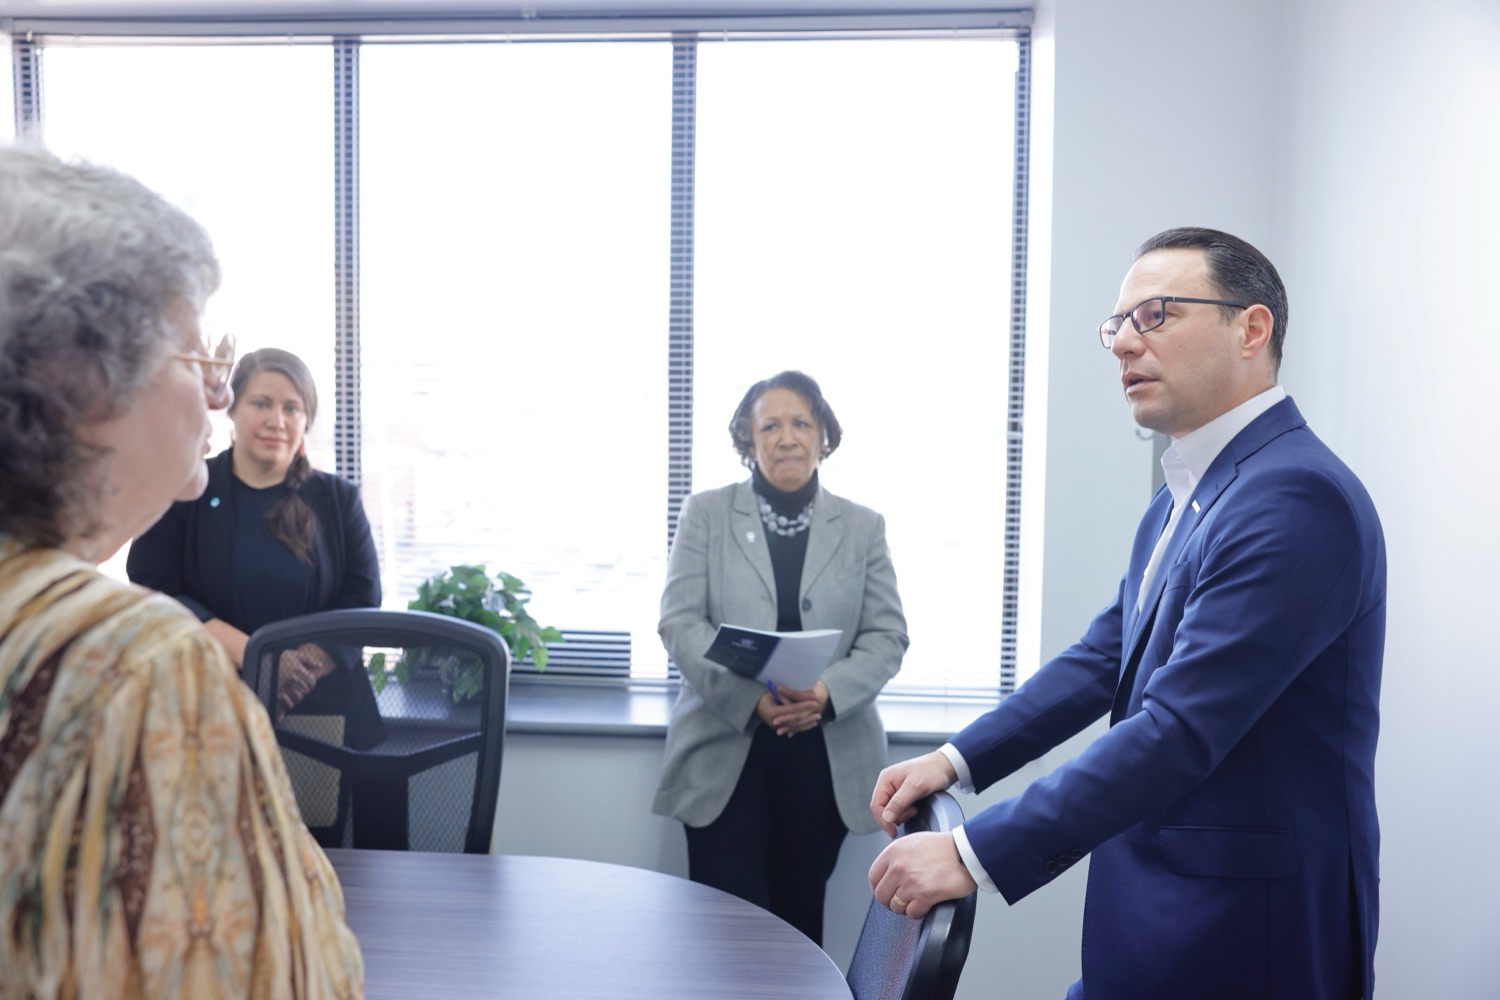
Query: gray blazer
[[720, 572]]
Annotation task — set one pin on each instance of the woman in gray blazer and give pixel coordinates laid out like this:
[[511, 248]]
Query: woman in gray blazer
[[767, 783]]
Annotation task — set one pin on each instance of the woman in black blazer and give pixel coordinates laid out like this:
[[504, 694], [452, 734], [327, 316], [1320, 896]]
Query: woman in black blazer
[[271, 538]]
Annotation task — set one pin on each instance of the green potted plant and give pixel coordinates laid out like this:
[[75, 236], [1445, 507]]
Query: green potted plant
[[469, 593]]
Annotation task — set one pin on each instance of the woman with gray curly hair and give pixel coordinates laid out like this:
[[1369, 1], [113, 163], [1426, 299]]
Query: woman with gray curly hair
[[149, 842]]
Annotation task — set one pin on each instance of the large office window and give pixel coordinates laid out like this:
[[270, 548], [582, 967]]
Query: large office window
[[513, 288], [227, 132], [233, 134], [854, 222], [573, 256]]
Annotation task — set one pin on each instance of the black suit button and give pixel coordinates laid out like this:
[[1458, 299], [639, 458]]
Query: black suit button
[[1051, 867], [807, 604], [1077, 853]]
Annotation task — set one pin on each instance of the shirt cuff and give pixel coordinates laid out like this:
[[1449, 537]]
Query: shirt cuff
[[960, 767], [971, 861]]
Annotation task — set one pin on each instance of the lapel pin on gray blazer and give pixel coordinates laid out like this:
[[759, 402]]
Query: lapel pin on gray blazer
[[777, 553], [1228, 813]]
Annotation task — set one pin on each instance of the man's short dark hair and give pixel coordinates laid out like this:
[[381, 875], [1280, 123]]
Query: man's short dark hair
[[1236, 269]]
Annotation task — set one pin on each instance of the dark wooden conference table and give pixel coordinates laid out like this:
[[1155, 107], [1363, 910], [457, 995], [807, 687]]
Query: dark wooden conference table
[[435, 926]]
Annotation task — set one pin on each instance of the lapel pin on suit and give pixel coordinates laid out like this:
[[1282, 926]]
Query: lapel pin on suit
[[749, 536]]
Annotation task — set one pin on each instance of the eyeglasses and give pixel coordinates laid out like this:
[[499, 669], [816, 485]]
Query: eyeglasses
[[1150, 314], [215, 359]]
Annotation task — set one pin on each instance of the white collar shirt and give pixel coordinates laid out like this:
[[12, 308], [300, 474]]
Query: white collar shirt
[[1187, 459]]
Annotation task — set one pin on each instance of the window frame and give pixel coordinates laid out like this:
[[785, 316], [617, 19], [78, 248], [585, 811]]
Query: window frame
[[686, 32]]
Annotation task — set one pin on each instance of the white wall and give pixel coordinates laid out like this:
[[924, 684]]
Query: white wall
[[1147, 135], [1358, 143], [1387, 217]]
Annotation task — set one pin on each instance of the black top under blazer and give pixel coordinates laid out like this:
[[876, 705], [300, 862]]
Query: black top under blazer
[[720, 571], [186, 554]]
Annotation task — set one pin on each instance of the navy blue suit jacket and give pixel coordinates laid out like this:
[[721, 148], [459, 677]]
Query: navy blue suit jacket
[[1229, 810]]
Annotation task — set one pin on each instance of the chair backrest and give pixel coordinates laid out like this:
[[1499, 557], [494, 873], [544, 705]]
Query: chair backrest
[[898, 958], [379, 752]]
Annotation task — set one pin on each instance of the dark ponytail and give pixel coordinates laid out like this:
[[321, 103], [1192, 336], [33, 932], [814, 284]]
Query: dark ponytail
[[291, 521]]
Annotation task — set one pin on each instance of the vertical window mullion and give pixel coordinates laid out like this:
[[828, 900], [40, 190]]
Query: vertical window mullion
[[680, 313], [1015, 418], [26, 71], [346, 431]]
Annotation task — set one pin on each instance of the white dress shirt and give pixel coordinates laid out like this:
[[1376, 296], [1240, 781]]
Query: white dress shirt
[[1183, 464]]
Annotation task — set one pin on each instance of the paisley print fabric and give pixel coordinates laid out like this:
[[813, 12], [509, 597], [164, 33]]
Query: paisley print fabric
[[150, 845]]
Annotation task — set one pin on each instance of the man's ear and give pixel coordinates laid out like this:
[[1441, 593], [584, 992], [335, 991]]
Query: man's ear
[[1258, 324]]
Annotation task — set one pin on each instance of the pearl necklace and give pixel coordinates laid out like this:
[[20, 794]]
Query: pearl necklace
[[781, 524]]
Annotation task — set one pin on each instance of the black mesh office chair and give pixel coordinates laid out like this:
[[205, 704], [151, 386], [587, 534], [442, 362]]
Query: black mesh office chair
[[407, 768], [898, 958]]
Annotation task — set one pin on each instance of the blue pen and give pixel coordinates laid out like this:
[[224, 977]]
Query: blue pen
[[771, 685]]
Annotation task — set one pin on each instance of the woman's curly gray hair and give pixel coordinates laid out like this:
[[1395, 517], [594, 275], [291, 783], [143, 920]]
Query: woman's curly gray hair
[[92, 265]]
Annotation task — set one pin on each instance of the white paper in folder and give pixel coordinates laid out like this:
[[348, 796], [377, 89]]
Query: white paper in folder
[[788, 659]]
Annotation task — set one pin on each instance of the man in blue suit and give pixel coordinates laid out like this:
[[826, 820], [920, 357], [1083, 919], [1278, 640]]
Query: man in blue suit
[[1229, 810]]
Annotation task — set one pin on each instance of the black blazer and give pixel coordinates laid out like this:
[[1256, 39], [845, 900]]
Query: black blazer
[[186, 553]]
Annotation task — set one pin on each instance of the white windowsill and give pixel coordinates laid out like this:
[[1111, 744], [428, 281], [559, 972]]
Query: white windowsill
[[545, 706]]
